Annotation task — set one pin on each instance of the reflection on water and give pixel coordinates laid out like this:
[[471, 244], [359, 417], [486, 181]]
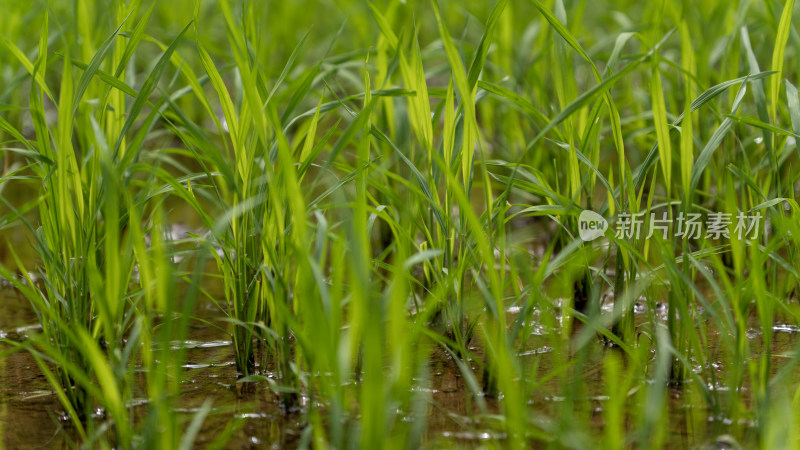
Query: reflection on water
[[29, 412]]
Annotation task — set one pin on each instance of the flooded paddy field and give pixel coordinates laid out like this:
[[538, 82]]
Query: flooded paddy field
[[399, 224]]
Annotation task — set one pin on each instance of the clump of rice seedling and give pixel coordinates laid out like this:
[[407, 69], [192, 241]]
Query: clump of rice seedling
[[95, 326]]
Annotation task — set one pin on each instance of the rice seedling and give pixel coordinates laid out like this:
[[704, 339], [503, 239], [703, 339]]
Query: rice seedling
[[403, 224]]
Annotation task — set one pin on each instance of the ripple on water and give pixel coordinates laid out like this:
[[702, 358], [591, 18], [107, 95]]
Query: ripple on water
[[207, 365], [199, 344], [785, 328], [536, 351], [474, 435]]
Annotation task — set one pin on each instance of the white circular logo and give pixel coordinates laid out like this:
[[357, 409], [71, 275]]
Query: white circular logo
[[591, 225]]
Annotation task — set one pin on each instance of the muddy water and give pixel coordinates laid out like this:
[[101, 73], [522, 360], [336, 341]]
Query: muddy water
[[30, 413]]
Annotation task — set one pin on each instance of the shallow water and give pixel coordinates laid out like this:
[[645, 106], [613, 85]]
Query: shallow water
[[30, 413], [28, 410]]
